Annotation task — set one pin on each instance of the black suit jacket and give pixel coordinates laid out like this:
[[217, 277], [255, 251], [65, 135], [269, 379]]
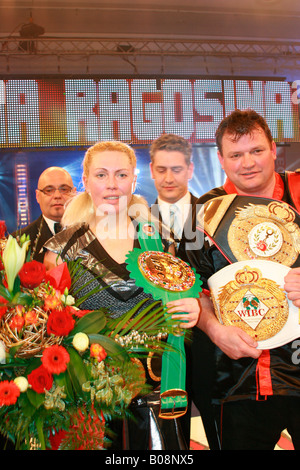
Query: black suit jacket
[[39, 233]]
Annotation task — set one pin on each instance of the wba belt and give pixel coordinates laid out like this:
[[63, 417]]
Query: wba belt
[[166, 278], [248, 228]]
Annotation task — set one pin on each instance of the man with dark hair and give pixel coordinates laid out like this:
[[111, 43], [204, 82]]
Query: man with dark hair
[[257, 392]]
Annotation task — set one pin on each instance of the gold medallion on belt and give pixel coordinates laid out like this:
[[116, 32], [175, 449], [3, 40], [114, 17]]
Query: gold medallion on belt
[[253, 303], [166, 271], [265, 232]]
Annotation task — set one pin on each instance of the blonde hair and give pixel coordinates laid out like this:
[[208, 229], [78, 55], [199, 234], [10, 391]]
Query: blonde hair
[[81, 209]]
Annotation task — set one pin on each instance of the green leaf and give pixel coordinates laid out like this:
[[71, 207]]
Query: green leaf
[[39, 426], [36, 399], [20, 298], [35, 362], [28, 409], [13, 350], [17, 285], [118, 324], [77, 372], [63, 380], [147, 317], [92, 322], [5, 293]]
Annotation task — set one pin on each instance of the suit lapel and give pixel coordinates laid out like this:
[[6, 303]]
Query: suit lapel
[[44, 235]]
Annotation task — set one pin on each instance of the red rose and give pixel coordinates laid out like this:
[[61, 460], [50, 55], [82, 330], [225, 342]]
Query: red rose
[[3, 309], [59, 277], [32, 274], [2, 229], [60, 323], [40, 379]]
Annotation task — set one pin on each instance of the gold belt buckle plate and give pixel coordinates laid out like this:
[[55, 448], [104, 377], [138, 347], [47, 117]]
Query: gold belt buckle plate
[[172, 413]]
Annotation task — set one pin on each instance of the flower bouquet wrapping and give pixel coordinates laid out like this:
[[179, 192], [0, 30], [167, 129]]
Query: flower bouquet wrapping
[[65, 372]]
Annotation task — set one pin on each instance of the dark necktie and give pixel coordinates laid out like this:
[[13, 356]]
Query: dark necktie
[[57, 227]]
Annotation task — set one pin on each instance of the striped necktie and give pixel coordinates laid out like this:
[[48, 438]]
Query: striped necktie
[[173, 210]]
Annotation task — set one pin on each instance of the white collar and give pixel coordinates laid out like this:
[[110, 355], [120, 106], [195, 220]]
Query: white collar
[[165, 206], [50, 224]]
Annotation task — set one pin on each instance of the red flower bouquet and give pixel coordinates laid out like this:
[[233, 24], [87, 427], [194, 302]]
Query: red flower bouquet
[[63, 369]]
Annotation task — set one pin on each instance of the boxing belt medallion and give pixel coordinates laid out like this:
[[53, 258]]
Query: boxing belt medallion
[[245, 228]]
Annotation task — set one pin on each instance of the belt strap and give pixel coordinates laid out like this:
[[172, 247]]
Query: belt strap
[[173, 399]]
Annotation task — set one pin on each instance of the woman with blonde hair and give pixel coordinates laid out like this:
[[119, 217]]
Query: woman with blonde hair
[[100, 230]]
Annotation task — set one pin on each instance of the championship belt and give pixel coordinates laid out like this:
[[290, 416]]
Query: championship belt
[[261, 238], [166, 278]]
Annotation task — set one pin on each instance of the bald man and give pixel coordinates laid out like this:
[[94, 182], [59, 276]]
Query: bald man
[[55, 187]]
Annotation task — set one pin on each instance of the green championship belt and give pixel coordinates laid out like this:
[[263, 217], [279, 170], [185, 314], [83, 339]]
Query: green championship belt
[[166, 278]]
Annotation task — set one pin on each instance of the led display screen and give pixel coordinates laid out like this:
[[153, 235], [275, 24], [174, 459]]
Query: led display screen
[[78, 112]]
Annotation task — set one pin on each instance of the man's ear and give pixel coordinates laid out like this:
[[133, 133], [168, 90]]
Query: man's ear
[[151, 170], [37, 195], [221, 159]]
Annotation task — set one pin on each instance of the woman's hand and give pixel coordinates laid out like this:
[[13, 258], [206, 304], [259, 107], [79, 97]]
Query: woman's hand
[[51, 260], [189, 309]]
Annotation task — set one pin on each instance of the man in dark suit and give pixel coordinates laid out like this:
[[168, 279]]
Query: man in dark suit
[[55, 187], [171, 169]]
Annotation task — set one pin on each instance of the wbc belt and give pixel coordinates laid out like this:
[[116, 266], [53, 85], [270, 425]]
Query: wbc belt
[[166, 278]]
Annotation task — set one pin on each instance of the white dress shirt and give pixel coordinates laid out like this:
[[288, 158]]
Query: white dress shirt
[[50, 224], [182, 208]]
